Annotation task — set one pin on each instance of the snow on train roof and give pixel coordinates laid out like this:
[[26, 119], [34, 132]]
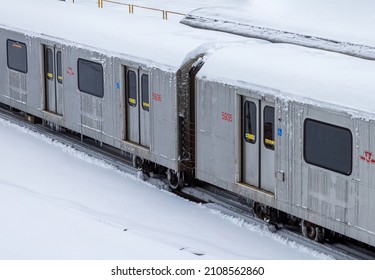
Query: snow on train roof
[[151, 41], [297, 73]]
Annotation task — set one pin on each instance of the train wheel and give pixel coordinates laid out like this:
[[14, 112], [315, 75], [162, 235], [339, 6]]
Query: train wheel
[[137, 162], [312, 231], [258, 210], [264, 212], [174, 179]]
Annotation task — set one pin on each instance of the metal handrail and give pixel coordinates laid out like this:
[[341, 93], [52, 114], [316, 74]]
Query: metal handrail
[[131, 7]]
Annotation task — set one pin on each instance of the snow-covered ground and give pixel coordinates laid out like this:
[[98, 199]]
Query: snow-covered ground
[[57, 203]]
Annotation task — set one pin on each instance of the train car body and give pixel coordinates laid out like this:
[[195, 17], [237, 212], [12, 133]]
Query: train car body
[[293, 129], [119, 86]]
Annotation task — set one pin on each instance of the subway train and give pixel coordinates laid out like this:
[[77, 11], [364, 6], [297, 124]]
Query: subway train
[[287, 128]]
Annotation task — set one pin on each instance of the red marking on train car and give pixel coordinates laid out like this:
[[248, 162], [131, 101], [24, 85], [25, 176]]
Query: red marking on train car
[[368, 157], [70, 71], [156, 96], [226, 117]]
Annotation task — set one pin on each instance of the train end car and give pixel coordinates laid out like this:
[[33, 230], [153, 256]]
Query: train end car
[[120, 79], [291, 128]]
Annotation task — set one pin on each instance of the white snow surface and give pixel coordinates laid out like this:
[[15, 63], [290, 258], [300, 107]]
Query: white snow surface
[[297, 73], [341, 20], [151, 41], [58, 203]]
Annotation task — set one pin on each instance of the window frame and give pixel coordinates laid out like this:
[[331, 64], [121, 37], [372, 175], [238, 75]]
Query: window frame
[[322, 165], [132, 96], [48, 60], [9, 58], [250, 136], [145, 101], [59, 71], [100, 92], [269, 143]]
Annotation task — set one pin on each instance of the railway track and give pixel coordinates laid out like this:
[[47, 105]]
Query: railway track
[[227, 205], [213, 198]]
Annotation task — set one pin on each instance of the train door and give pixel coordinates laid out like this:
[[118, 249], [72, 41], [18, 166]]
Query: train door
[[250, 141], [144, 110], [138, 106], [258, 143], [267, 150], [53, 79]]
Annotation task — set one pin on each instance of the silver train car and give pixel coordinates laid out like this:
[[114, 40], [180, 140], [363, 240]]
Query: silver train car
[[123, 87], [287, 128], [292, 129]]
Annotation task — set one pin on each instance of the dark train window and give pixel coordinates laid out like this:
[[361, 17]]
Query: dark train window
[[132, 88], [59, 67], [328, 146], [145, 93], [49, 63], [250, 121], [269, 127], [90, 77], [17, 56]]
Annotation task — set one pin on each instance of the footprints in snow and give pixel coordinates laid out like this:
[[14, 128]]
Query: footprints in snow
[[195, 252]]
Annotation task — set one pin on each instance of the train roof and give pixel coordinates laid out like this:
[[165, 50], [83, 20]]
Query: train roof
[[151, 41], [339, 25], [297, 73]]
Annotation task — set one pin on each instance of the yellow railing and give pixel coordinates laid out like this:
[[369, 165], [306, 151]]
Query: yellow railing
[[131, 7]]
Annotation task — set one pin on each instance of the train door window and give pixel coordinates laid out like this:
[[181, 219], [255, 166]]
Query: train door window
[[49, 63], [17, 56], [132, 88], [145, 93], [90, 77], [249, 121], [328, 146], [269, 127], [59, 67]]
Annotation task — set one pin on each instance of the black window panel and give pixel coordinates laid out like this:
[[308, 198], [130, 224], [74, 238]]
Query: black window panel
[[132, 88], [250, 122], [269, 127], [145, 93], [17, 56], [328, 146], [90, 77], [59, 67], [49, 64]]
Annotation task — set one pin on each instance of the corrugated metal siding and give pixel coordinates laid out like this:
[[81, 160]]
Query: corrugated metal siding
[[215, 137]]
